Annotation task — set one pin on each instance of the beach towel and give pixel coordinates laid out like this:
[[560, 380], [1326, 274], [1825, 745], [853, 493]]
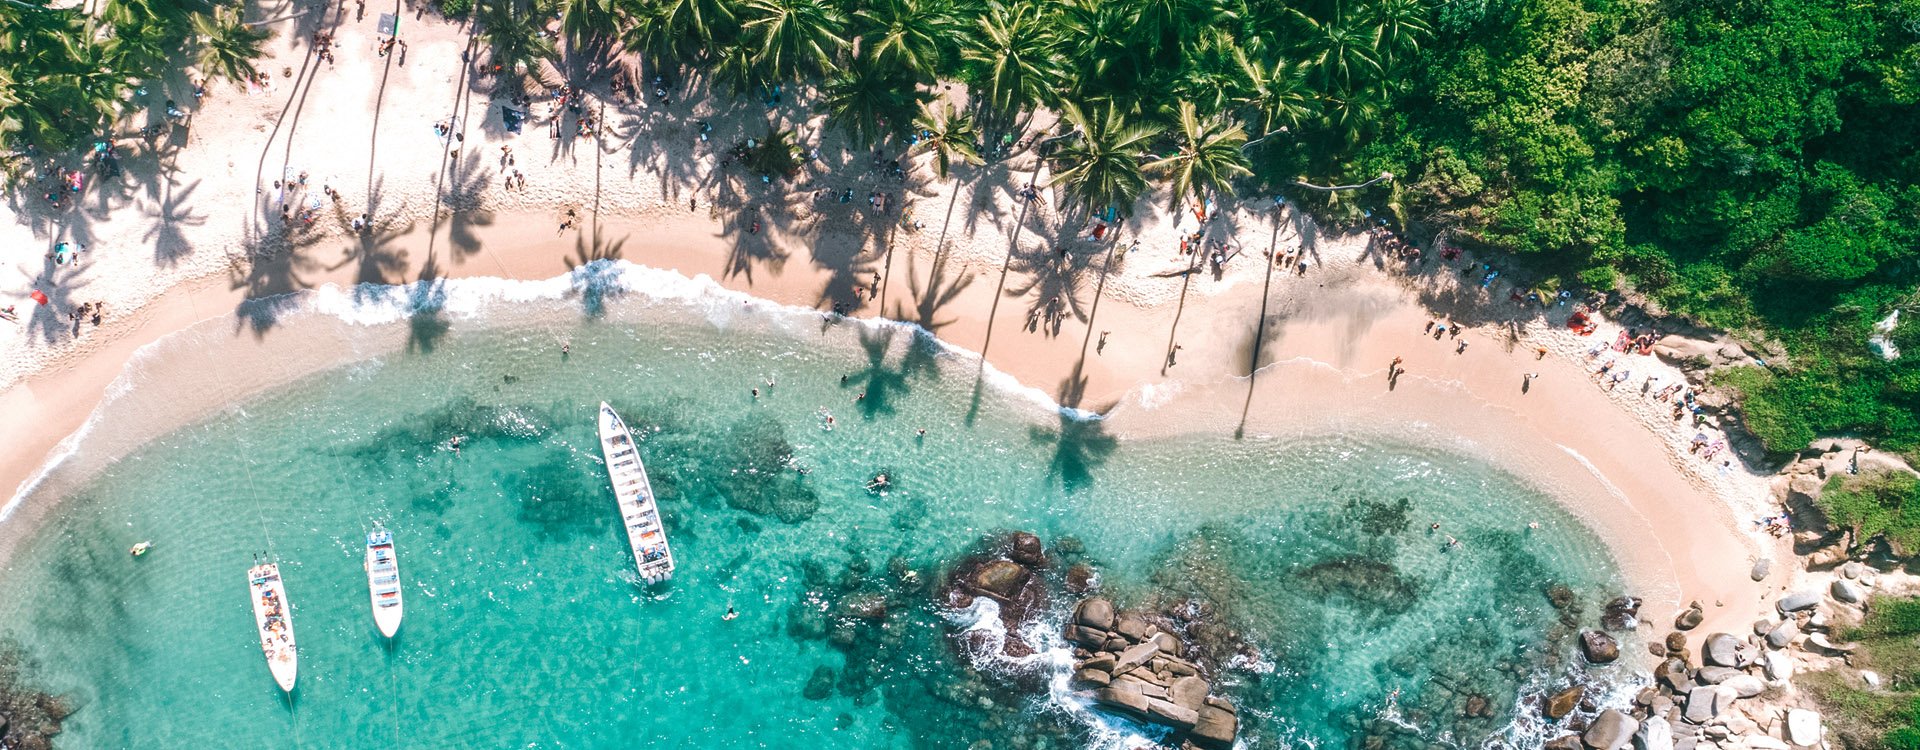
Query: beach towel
[[512, 118], [39, 296]]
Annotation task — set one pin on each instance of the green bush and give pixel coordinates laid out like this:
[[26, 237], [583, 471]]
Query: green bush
[[1882, 504], [456, 8]]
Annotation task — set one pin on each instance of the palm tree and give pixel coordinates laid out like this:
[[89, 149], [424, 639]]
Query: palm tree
[[792, 39], [1340, 53], [585, 22], [513, 31], [1016, 63], [1278, 95], [1208, 160], [1398, 27], [681, 29], [906, 35], [951, 137], [228, 47], [870, 101], [1101, 165]]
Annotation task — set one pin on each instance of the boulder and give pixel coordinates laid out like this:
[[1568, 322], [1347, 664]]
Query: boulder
[[1025, 548], [1761, 568], [1803, 727], [1673, 674], [1169, 714], [1135, 655], [1701, 704], [1797, 601], [1123, 700], [1777, 665], [1745, 685], [1132, 627], [1868, 676], [1853, 570], [1003, 578], [1720, 650], [1599, 647], [1676, 641], [1564, 742], [1087, 679], [1102, 662], [820, 684], [1190, 692], [1094, 613], [1764, 742], [1782, 634], [1847, 591], [1654, 734], [1690, 618], [1216, 728], [1714, 675], [1562, 703], [1169, 645], [1611, 730], [1082, 578], [1820, 641], [1091, 638], [1622, 613]]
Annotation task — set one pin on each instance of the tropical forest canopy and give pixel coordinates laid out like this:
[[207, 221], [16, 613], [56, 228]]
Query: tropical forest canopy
[[1749, 163]]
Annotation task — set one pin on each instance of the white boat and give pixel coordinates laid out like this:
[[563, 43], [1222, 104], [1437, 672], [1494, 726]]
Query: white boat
[[383, 580], [637, 511], [274, 618]]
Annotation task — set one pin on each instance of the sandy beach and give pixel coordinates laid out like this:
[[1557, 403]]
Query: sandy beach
[[193, 232]]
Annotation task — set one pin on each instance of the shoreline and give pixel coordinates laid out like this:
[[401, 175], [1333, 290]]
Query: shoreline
[[1545, 437], [1328, 333]]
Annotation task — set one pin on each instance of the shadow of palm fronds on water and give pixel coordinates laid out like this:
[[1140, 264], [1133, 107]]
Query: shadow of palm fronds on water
[[427, 322], [1080, 442]]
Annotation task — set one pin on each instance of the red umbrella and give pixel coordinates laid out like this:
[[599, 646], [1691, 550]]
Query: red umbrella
[[39, 296]]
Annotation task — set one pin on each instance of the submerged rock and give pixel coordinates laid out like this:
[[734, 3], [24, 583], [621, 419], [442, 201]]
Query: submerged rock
[[1623, 613], [1562, 703], [1598, 647]]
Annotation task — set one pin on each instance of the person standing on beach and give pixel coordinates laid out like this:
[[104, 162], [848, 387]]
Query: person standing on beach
[[1462, 348], [1102, 346]]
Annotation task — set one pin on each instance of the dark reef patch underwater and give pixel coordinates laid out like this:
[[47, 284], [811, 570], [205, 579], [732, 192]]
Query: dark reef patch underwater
[[1301, 578]]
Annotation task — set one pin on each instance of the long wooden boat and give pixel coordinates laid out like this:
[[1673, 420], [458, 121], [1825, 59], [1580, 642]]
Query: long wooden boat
[[638, 513], [274, 618], [383, 580]]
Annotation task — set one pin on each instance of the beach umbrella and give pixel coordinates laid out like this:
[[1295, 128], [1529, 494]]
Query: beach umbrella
[[39, 296]]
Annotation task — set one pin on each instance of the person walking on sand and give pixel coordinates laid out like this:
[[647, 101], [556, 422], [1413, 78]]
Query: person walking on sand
[[1102, 346], [1526, 381], [1429, 328], [1462, 348], [1539, 352]]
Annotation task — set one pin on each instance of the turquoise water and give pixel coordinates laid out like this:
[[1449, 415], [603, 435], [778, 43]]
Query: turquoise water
[[525, 626]]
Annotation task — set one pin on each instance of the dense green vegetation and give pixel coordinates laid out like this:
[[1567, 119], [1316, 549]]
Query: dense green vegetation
[[1753, 164], [1889, 717], [67, 77], [1877, 505]]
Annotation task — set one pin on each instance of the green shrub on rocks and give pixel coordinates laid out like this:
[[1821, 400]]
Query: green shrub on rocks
[[1882, 504], [1888, 717]]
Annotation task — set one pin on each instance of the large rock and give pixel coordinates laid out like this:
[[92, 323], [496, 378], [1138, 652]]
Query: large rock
[[1689, 618], [1803, 727], [1782, 634], [1764, 742], [1025, 548], [1190, 692], [1087, 679], [1169, 714], [1745, 685], [1778, 665], [1622, 613], [1102, 662], [1714, 675], [1135, 655], [1168, 644], [1702, 704], [1003, 578], [1655, 734], [1122, 700], [1847, 591], [1562, 703], [1216, 728], [1132, 627], [1721, 650], [1673, 674], [1599, 647], [1797, 601], [1091, 638], [1676, 642], [1564, 742], [1611, 730], [1094, 613]]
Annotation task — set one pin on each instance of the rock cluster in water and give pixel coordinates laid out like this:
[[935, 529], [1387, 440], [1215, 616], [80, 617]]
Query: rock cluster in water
[[29, 718], [1129, 665]]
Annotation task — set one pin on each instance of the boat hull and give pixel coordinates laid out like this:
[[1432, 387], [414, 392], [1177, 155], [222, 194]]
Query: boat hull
[[273, 617], [383, 582], [646, 534]]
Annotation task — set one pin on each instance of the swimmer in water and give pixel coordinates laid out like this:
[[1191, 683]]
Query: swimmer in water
[[1434, 527], [730, 613]]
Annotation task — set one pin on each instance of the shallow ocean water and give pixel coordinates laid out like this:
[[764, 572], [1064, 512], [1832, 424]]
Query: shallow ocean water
[[525, 626]]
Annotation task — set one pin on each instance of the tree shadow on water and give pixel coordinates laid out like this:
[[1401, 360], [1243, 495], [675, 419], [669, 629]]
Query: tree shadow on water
[[1080, 443], [880, 384], [595, 283], [427, 324]]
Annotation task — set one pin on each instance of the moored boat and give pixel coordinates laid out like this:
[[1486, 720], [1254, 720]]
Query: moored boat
[[645, 534], [274, 618], [383, 580]]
